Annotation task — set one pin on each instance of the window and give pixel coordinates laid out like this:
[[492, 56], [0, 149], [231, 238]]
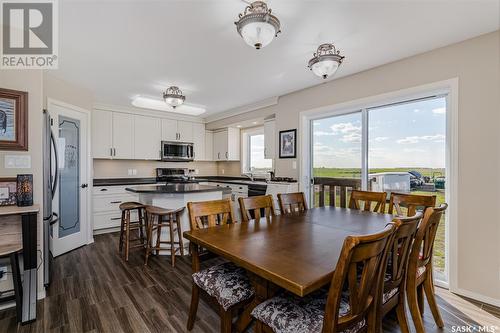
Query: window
[[253, 152]]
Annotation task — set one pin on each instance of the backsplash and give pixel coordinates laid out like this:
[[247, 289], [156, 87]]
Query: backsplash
[[120, 168]]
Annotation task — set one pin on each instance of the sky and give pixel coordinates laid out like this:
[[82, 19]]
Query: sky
[[406, 135], [257, 158]]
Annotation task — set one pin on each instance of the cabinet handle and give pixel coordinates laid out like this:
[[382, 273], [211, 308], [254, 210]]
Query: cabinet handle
[[103, 189], [110, 151], [113, 202], [115, 218], [218, 156], [226, 156]]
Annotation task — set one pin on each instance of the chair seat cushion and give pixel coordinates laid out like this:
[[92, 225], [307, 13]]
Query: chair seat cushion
[[420, 271], [288, 313], [226, 282], [388, 295]]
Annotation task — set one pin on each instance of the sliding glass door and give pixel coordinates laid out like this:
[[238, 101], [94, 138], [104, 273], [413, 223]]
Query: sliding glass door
[[400, 147]]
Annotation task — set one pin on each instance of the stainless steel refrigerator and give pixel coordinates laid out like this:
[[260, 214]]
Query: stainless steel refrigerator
[[50, 177]]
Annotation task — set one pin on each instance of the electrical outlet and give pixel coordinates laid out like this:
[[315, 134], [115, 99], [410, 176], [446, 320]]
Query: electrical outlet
[[3, 273], [129, 172], [134, 172], [223, 171], [294, 165], [196, 171]]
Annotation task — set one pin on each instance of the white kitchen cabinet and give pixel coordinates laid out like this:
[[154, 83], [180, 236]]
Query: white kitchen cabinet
[[270, 139], [102, 140], [227, 145], [147, 138], [209, 146], [173, 130], [185, 130], [199, 141], [123, 135], [106, 214]]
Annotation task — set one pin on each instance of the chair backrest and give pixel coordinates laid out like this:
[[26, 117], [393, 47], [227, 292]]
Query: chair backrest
[[411, 201], [252, 207], [378, 198], [292, 202], [399, 251], [365, 254], [207, 214], [421, 252]]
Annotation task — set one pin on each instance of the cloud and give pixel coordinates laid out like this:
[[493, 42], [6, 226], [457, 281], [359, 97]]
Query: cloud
[[413, 150], [417, 139], [439, 110], [380, 138], [416, 110], [345, 128], [323, 133], [353, 137]]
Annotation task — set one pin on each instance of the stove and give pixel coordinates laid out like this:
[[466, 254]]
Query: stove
[[174, 175]]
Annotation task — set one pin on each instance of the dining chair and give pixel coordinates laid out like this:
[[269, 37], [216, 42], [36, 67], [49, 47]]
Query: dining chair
[[419, 277], [411, 202], [367, 198], [292, 203], [252, 207], [393, 293], [226, 284], [336, 309]]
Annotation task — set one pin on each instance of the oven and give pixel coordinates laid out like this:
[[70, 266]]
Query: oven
[[177, 151]]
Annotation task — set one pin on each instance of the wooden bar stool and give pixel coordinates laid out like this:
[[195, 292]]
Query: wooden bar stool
[[11, 245], [127, 226], [157, 218]]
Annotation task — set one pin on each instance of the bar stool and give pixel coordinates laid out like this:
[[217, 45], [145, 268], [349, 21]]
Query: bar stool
[[10, 246], [127, 225], [157, 218]]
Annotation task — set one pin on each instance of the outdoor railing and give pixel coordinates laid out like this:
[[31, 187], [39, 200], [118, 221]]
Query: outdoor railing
[[334, 191]]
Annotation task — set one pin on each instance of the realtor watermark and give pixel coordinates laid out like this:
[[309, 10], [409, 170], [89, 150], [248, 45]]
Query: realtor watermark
[[29, 34], [475, 329]]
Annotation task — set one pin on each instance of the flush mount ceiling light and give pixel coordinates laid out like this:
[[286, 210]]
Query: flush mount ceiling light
[[257, 26], [173, 96], [325, 61], [157, 104]]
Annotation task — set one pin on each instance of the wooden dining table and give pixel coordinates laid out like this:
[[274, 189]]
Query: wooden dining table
[[296, 252]]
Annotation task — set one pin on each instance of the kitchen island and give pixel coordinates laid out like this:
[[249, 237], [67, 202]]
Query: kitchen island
[[173, 196]]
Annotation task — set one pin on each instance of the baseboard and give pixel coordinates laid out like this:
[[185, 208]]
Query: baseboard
[[105, 231], [477, 296]]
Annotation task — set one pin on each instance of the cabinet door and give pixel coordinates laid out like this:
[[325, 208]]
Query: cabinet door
[[147, 138], [199, 142], [169, 130], [269, 139], [123, 135], [233, 144], [209, 145], [102, 126], [220, 145], [185, 130]]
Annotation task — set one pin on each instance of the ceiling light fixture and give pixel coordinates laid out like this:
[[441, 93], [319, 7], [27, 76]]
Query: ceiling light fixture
[[146, 102], [325, 61], [257, 26], [173, 96]]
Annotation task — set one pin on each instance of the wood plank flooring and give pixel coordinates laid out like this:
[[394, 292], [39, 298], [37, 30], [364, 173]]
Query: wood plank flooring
[[94, 290]]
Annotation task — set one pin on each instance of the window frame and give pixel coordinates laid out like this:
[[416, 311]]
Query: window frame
[[246, 151]]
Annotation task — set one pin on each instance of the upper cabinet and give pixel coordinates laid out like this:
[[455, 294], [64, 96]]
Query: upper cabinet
[[123, 135], [198, 133], [173, 130], [112, 135], [270, 139], [147, 143], [226, 145]]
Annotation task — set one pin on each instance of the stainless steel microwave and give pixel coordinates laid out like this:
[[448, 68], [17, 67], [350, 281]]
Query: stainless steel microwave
[[177, 151]]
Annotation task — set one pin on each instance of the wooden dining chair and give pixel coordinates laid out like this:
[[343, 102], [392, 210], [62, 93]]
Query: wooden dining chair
[[393, 294], [252, 207], [411, 202], [226, 284], [419, 276], [292, 203], [336, 309], [367, 198]]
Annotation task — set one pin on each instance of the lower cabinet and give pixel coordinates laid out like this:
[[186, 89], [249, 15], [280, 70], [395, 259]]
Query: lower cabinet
[[106, 201]]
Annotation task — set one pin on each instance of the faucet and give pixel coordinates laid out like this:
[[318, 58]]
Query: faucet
[[249, 175]]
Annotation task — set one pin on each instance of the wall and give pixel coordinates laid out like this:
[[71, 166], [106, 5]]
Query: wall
[[228, 168], [476, 63], [66, 92], [30, 81]]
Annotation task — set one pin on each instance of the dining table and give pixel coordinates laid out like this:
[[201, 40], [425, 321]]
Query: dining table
[[296, 252]]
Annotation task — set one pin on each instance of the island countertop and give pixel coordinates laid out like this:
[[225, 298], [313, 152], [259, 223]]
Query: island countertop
[[177, 189]]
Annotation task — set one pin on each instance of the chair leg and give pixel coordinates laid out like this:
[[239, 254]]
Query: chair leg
[[127, 234], [431, 299], [401, 314], [195, 298], [149, 238], [420, 298], [120, 246], [179, 233], [226, 320], [158, 235], [411, 294], [172, 242], [141, 224]]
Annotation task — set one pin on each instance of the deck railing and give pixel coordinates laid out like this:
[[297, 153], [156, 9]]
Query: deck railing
[[333, 191]]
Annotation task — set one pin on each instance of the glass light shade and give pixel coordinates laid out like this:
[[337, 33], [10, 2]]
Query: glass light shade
[[174, 101], [325, 68], [258, 34]]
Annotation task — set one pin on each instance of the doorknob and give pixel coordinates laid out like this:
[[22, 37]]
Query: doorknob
[[84, 185]]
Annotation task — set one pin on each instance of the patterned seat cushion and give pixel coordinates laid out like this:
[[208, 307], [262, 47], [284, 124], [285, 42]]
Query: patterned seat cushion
[[388, 295], [420, 271], [226, 282], [291, 314]]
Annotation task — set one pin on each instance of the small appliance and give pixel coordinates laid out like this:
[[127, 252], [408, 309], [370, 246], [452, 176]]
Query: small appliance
[[173, 175], [173, 151]]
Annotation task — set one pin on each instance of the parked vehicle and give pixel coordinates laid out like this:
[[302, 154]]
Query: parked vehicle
[[439, 183], [416, 179]]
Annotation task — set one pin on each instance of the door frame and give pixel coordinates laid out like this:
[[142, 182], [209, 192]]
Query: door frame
[[89, 163], [448, 87]]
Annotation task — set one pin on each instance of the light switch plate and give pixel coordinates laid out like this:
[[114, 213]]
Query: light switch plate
[[17, 162], [294, 165]]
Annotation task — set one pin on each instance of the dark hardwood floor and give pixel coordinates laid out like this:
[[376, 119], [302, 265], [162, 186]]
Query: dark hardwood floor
[[94, 290]]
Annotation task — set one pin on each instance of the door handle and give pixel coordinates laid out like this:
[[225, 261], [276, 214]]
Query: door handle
[[84, 185], [115, 202]]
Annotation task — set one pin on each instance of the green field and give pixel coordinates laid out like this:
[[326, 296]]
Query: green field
[[439, 244]]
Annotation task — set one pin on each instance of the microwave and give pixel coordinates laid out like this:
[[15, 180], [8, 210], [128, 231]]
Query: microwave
[[177, 151]]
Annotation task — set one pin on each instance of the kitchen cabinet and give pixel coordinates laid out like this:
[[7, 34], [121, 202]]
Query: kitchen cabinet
[[123, 135], [199, 141], [102, 140], [209, 146], [106, 214], [147, 140], [173, 130], [270, 139], [226, 145]]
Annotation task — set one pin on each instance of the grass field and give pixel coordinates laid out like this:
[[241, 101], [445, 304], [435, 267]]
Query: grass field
[[439, 244]]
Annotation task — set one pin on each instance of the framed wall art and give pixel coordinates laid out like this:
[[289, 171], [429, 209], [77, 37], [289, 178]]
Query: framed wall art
[[8, 192], [13, 120], [288, 144]]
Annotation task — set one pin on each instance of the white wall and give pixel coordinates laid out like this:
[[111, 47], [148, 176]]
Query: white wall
[[476, 64]]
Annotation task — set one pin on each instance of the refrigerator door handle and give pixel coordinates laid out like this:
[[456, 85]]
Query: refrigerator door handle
[[54, 219], [56, 157]]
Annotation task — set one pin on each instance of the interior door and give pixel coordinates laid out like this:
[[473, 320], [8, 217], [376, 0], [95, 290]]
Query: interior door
[[71, 197]]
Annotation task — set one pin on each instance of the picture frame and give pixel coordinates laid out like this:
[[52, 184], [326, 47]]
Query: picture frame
[[8, 191], [13, 120], [288, 143]]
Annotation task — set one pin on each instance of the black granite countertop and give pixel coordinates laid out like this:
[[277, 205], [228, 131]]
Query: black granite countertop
[[123, 181], [176, 189]]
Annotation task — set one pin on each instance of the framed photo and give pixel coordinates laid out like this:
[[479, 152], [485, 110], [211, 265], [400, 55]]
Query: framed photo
[[13, 120], [288, 144], [8, 191]]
